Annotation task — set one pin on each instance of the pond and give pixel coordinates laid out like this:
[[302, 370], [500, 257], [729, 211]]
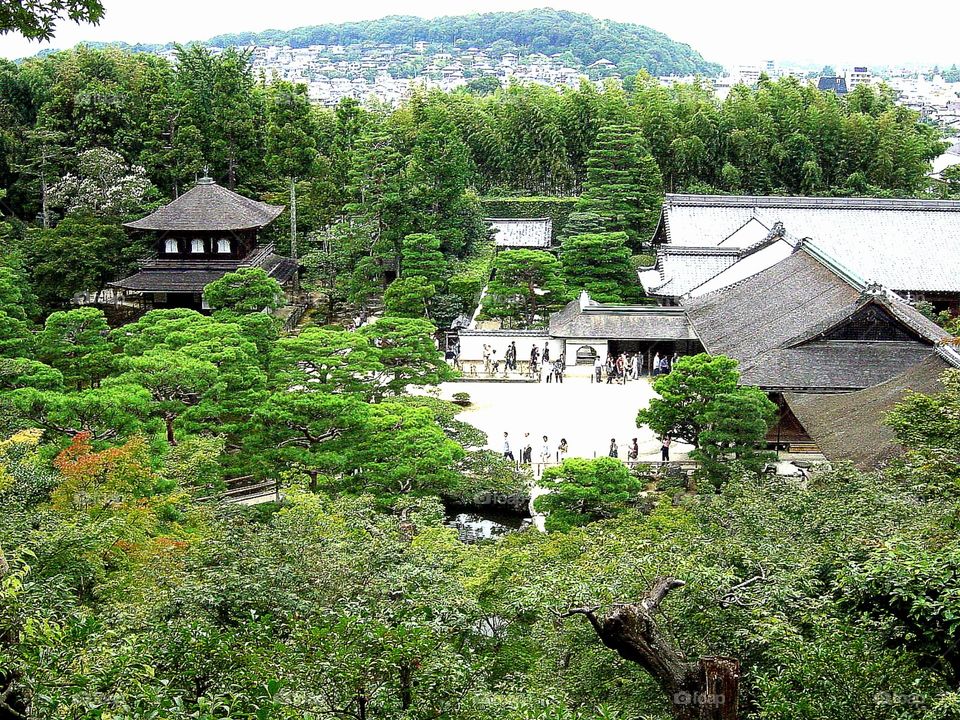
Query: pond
[[475, 524]]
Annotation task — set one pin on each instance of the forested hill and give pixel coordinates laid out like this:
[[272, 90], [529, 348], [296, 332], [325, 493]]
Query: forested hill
[[631, 47]]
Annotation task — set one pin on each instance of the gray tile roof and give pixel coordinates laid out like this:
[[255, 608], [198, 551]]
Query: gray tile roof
[[774, 323], [173, 280], [849, 426], [209, 207], [585, 318], [906, 245], [522, 232]]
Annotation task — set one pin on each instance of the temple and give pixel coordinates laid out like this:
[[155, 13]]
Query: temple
[[198, 238]]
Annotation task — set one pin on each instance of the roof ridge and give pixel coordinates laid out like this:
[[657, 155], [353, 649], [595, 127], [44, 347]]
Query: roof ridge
[[811, 202]]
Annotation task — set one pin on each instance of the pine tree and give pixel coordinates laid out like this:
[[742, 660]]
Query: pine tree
[[623, 183], [600, 264]]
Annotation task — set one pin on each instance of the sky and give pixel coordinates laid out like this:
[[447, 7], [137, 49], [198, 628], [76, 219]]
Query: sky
[[837, 32]]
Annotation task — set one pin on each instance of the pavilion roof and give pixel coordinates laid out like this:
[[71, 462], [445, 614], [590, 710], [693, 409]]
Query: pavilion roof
[[209, 207]]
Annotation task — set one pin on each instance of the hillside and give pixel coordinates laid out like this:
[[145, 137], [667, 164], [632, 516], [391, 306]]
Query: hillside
[[629, 46]]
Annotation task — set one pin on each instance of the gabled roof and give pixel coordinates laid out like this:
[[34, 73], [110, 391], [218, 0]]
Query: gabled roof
[[209, 207], [905, 245], [776, 325]]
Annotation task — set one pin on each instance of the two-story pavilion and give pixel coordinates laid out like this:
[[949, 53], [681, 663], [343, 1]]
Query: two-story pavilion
[[198, 238]]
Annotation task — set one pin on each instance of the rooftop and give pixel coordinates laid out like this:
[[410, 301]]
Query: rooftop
[[522, 232], [209, 207], [905, 245]]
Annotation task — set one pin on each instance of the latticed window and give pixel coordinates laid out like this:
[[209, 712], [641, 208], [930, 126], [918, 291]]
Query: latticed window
[[223, 246], [196, 246], [172, 247]]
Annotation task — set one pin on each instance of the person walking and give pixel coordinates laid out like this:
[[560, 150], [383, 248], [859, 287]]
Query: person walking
[[526, 454], [560, 368], [613, 452], [665, 448], [673, 360], [562, 450], [611, 369], [544, 453], [507, 452], [546, 353], [633, 452], [622, 368], [534, 358], [597, 369], [486, 358], [655, 368]]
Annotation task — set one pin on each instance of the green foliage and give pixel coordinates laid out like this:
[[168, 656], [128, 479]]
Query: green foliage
[[244, 291], [38, 20], [421, 257], [623, 183], [600, 263], [525, 282], [701, 403], [76, 343], [582, 491], [409, 297], [471, 274], [81, 254]]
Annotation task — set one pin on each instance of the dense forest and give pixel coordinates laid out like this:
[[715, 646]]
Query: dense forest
[[90, 138], [631, 47]]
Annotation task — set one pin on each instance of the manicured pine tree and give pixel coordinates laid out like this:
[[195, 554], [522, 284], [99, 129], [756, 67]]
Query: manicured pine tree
[[623, 184], [600, 264]]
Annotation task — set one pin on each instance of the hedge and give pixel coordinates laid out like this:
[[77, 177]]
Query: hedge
[[471, 274], [557, 209]]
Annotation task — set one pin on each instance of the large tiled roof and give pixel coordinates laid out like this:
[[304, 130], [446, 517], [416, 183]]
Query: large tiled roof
[[173, 280], [776, 323], [849, 426], [209, 207], [522, 232], [905, 245], [585, 318]]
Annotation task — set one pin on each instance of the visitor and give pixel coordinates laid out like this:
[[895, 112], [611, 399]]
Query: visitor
[[633, 452], [622, 368], [597, 368], [496, 362], [664, 365], [546, 353], [511, 356], [638, 367], [611, 369], [544, 452], [562, 450], [613, 452], [632, 367], [665, 448], [534, 358], [655, 368], [507, 452], [558, 370], [673, 360], [486, 358], [526, 454]]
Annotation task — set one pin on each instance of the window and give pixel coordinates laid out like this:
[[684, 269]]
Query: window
[[196, 245], [171, 247], [223, 246]]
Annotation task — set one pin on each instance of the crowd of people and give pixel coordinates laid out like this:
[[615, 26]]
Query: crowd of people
[[539, 365], [546, 455], [630, 366]]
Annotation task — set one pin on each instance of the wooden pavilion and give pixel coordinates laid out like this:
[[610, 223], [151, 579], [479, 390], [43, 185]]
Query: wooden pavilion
[[198, 238]]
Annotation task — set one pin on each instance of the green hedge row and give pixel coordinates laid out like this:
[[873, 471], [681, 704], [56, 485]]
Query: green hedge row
[[557, 209], [471, 274]]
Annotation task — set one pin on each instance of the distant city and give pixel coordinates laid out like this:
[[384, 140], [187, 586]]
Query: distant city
[[389, 73]]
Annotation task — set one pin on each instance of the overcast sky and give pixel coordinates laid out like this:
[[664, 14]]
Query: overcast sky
[[838, 32]]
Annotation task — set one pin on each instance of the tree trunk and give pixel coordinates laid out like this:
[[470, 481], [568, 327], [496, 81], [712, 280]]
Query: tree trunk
[[703, 690], [406, 686], [168, 420], [293, 233]]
